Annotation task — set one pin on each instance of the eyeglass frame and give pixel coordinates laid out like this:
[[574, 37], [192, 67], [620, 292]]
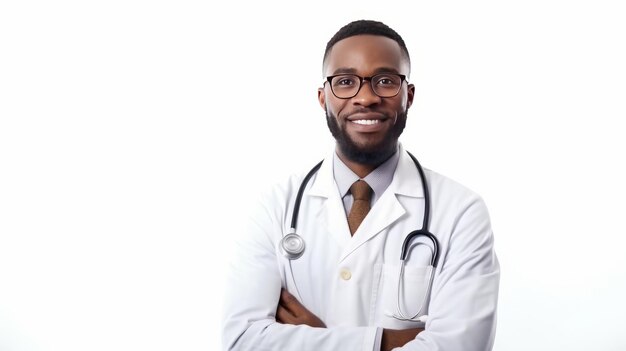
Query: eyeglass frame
[[363, 79]]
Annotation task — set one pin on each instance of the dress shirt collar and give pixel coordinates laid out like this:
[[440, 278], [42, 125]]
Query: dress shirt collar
[[379, 179]]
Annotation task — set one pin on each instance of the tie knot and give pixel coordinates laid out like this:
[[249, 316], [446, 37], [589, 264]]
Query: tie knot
[[360, 190]]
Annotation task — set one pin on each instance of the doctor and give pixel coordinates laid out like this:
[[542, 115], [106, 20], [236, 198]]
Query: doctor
[[347, 289]]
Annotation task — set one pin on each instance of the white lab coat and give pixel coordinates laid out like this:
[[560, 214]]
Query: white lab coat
[[350, 282]]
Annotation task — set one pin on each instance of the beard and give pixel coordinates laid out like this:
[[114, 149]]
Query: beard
[[368, 155]]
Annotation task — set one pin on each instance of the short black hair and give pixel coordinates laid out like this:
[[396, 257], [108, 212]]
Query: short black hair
[[360, 27]]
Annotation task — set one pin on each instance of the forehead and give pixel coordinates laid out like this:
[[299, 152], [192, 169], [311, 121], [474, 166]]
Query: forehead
[[365, 54]]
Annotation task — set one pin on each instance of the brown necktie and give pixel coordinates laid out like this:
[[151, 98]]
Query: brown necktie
[[361, 193]]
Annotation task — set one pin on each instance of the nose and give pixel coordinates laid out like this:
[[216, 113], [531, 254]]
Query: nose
[[366, 95]]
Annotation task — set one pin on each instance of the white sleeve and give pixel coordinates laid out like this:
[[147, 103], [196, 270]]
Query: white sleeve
[[378, 340], [253, 286], [462, 311]]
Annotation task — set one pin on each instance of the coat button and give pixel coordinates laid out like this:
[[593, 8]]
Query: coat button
[[345, 274]]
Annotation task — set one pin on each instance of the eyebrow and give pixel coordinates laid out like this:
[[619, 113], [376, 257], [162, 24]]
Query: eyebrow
[[345, 70]]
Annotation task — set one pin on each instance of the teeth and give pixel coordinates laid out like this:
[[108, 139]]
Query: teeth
[[366, 121]]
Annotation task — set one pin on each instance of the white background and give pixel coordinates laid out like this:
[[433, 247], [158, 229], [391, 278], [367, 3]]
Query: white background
[[131, 131]]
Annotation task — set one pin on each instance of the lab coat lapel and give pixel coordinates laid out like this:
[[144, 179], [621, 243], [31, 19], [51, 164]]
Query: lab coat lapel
[[388, 209], [332, 215]]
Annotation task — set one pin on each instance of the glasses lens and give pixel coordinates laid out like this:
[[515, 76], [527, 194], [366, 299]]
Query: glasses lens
[[386, 85], [345, 86]]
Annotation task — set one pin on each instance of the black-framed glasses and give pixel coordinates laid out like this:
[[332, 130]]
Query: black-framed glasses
[[346, 86]]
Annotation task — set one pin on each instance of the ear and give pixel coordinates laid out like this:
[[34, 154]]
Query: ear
[[321, 97], [410, 95]]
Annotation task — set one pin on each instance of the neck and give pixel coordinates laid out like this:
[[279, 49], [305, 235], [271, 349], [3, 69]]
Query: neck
[[360, 169]]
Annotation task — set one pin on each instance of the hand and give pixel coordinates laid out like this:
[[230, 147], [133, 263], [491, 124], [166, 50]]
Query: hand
[[291, 311], [397, 338]]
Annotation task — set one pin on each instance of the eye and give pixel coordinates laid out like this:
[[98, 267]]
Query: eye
[[387, 80], [344, 81]]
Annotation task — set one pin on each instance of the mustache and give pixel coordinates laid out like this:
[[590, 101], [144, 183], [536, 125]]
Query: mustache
[[365, 110]]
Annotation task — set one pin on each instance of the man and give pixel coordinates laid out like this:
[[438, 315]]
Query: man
[[346, 290]]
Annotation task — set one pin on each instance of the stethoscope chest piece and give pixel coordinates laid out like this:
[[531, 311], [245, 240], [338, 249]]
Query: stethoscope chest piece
[[292, 246]]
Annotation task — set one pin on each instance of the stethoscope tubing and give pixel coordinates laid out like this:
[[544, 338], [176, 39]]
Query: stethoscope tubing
[[292, 245], [407, 240], [296, 206]]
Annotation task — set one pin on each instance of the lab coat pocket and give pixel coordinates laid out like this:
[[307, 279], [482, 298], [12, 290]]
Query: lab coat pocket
[[412, 297]]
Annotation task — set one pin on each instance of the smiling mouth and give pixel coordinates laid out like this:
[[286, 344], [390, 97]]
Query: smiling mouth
[[366, 122]]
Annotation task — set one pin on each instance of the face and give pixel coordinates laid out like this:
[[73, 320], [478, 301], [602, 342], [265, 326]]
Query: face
[[366, 126]]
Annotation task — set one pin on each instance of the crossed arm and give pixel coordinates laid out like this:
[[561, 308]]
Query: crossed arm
[[458, 321], [291, 311]]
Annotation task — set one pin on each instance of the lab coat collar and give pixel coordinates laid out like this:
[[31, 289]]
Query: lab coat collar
[[324, 182], [406, 181]]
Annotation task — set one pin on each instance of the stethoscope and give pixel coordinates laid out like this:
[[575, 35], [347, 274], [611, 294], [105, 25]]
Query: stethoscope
[[292, 245]]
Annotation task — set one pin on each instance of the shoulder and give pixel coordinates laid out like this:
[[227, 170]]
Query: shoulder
[[454, 199], [444, 185], [282, 192], [269, 211]]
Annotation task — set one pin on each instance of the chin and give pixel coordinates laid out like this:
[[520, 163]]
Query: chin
[[372, 154], [372, 151]]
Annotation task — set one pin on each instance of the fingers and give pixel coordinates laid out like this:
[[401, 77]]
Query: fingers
[[283, 316], [290, 303], [291, 311], [284, 311]]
